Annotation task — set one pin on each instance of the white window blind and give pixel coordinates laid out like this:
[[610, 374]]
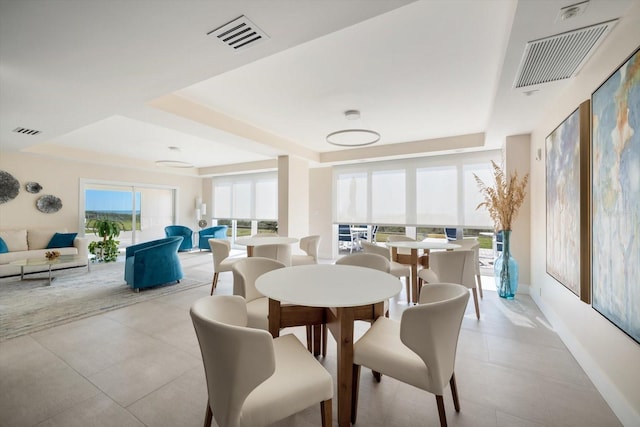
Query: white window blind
[[436, 195], [246, 197], [388, 197], [430, 191]]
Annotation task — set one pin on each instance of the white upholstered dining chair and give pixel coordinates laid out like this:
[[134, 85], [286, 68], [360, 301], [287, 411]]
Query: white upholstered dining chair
[[253, 379], [309, 245], [420, 350], [452, 267], [395, 268], [278, 251], [471, 244], [220, 249], [245, 273]]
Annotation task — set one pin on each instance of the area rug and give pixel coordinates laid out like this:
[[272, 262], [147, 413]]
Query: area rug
[[30, 306]]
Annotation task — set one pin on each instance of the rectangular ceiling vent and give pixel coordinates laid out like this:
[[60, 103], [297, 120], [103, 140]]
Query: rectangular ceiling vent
[[239, 34], [561, 56], [26, 131]]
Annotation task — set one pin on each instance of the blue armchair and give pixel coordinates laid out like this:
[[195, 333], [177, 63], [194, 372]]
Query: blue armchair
[[215, 232], [153, 263], [181, 230]]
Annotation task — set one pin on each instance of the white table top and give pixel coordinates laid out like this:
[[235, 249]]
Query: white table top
[[257, 241], [328, 285], [425, 244]]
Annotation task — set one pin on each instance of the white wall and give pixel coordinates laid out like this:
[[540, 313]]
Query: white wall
[[517, 159], [610, 358], [61, 178], [320, 202]]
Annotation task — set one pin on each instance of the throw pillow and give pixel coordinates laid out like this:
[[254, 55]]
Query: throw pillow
[[3, 246], [62, 240]]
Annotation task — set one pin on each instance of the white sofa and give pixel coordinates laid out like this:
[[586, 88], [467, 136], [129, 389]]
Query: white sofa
[[32, 243]]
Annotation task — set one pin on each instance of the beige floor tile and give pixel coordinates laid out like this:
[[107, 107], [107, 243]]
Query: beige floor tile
[[39, 397], [93, 344], [98, 411], [136, 377], [188, 392]]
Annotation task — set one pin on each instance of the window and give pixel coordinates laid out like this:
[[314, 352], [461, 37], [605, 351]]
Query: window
[[144, 211], [247, 203], [435, 192]]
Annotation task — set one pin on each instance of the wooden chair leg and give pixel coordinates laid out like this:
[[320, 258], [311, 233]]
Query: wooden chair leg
[[214, 282], [355, 387], [324, 340], [208, 418], [407, 282], [475, 301], [479, 281], [309, 339], [326, 413], [441, 412], [454, 392]]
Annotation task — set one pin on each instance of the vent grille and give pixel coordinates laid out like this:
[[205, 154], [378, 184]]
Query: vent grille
[[239, 34], [26, 131], [561, 56]]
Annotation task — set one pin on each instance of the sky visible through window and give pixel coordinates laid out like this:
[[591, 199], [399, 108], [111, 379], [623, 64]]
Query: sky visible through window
[[110, 201]]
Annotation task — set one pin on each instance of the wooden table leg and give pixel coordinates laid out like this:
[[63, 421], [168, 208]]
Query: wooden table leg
[[249, 251], [274, 317], [414, 276], [340, 322]]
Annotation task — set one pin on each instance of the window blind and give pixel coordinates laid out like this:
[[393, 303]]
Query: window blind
[[246, 197], [429, 191]]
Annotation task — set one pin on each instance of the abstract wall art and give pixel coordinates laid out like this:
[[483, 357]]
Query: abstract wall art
[[615, 192], [566, 148]]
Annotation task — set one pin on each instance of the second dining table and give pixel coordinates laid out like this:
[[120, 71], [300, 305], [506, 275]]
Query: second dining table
[[414, 260], [335, 295], [251, 242]]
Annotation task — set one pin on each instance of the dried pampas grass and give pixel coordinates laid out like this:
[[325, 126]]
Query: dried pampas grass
[[504, 198]]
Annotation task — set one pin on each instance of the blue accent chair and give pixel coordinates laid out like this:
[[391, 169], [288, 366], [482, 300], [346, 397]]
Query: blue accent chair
[[181, 230], [215, 232], [153, 263]]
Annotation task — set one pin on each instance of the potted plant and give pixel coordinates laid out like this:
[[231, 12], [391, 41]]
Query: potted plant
[[106, 249], [502, 200]]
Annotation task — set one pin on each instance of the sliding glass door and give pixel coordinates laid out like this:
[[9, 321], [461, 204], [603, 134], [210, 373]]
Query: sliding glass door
[[143, 211]]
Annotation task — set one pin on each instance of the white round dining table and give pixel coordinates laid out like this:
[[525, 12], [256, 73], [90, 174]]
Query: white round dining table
[[251, 242], [335, 295]]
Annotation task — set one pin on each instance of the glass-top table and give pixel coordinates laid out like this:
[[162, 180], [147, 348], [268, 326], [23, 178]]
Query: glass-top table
[[62, 259]]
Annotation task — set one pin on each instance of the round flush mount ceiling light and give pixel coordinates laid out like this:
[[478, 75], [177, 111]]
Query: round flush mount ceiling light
[[173, 164], [353, 137]]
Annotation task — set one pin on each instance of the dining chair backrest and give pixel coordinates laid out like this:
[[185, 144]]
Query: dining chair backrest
[[310, 245], [279, 251], [431, 329], [220, 250], [470, 245], [454, 267], [236, 359], [372, 248], [245, 273], [368, 260]]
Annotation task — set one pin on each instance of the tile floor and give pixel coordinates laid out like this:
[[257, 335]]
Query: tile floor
[[141, 366]]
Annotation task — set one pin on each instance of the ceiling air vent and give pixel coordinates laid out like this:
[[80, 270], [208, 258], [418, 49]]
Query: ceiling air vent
[[561, 56], [26, 131], [239, 34]]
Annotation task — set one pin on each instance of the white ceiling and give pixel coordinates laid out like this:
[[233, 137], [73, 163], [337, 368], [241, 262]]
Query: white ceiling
[[119, 82]]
